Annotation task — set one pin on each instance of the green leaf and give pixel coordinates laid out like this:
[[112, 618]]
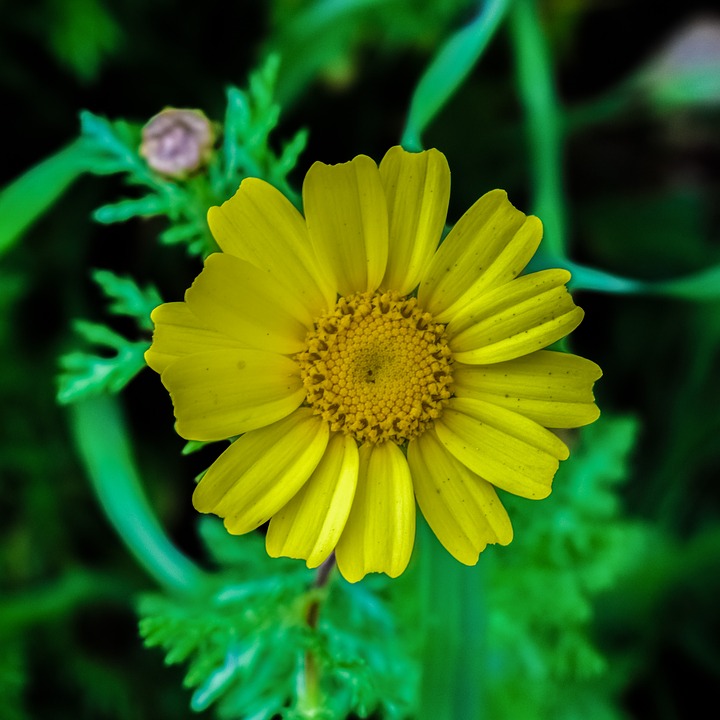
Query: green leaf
[[83, 33], [449, 68], [286, 163], [192, 446], [87, 373], [250, 118], [30, 196], [114, 146], [291, 152], [84, 374], [127, 209], [127, 297], [237, 131], [182, 233]]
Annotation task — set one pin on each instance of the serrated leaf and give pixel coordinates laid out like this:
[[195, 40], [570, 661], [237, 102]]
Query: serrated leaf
[[117, 143], [219, 680], [541, 595], [291, 152], [127, 209], [246, 639], [127, 298], [83, 374], [183, 232], [98, 334], [86, 373], [250, 118]]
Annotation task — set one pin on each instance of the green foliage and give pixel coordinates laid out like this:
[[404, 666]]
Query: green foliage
[[558, 624], [83, 34], [250, 118], [541, 592], [113, 147], [127, 298], [251, 652], [346, 28], [245, 151], [86, 373]]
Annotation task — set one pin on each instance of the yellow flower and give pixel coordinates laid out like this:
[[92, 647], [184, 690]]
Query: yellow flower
[[365, 368]]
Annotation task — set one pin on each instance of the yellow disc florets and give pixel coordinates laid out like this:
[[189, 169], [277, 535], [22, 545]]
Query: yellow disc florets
[[377, 367]]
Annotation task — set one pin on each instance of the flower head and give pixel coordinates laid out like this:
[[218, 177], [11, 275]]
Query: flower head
[[177, 142], [366, 367]]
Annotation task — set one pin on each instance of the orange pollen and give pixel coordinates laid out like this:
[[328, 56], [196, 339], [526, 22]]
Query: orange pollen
[[377, 367]]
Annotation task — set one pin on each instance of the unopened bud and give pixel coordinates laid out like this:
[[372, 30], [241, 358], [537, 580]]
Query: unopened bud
[[686, 70], [177, 142]]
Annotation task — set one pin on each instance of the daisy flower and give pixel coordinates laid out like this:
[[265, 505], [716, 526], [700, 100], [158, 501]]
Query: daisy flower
[[366, 367]]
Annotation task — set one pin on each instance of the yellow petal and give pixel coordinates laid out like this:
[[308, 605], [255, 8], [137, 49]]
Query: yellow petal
[[178, 333], [380, 532], [310, 525], [507, 449], [417, 187], [227, 392], [462, 509], [347, 219], [262, 470], [235, 298], [260, 225], [520, 317], [554, 389], [490, 245]]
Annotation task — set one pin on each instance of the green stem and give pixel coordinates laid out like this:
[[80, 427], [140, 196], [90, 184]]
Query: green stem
[[454, 648], [544, 122], [102, 441], [452, 64], [310, 701], [601, 110]]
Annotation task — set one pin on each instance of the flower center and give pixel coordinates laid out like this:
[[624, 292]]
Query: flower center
[[377, 367]]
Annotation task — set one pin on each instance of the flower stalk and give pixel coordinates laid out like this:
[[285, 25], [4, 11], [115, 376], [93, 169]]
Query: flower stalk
[[310, 704], [454, 643], [102, 441], [544, 123]]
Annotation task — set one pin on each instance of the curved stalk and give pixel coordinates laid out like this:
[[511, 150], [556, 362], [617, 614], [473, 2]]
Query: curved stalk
[[102, 441], [544, 123]]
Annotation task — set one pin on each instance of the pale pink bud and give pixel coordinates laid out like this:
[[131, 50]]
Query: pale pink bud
[[686, 69], [177, 142]]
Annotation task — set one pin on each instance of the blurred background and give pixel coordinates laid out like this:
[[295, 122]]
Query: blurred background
[[639, 86]]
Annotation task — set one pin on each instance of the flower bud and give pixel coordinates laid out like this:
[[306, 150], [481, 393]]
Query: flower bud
[[686, 69], [177, 142]]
